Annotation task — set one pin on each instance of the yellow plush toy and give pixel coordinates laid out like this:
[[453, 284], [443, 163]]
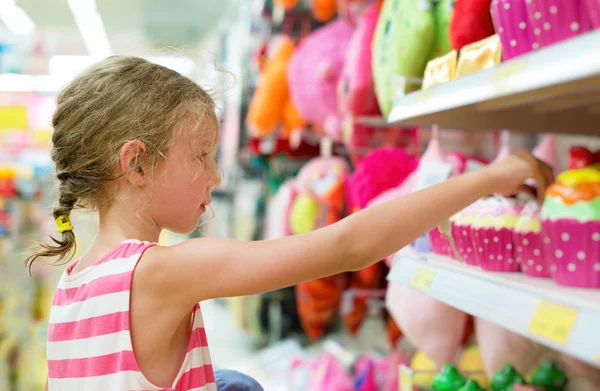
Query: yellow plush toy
[[271, 104]]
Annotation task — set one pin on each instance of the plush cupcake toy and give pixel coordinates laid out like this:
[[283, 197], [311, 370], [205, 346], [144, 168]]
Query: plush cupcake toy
[[461, 234], [571, 227], [528, 241], [492, 232]]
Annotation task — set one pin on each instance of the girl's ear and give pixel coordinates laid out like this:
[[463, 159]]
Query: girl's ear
[[132, 161]]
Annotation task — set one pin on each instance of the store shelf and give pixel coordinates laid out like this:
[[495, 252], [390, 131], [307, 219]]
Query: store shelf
[[563, 318], [556, 89]]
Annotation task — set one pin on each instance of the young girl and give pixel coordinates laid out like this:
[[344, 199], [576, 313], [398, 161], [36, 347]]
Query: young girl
[[136, 142]]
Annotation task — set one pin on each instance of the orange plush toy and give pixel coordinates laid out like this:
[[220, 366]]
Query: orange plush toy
[[271, 104], [287, 4], [324, 10]]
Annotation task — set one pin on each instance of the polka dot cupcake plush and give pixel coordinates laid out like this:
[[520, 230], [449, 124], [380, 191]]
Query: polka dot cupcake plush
[[461, 234], [528, 241], [593, 9], [492, 232], [571, 227], [512, 24], [556, 20]]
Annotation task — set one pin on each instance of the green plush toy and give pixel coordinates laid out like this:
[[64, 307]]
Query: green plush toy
[[303, 215], [506, 378], [402, 45], [549, 377], [443, 14], [448, 379], [471, 385]]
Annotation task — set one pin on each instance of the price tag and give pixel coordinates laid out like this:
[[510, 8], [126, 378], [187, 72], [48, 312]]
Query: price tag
[[423, 278], [505, 72], [553, 321], [406, 378]]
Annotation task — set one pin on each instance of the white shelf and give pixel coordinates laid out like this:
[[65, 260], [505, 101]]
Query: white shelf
[[556, 89], [511, 300]]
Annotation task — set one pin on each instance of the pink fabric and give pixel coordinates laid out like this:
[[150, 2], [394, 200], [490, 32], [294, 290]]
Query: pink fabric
[[89, 340], [513, 27]]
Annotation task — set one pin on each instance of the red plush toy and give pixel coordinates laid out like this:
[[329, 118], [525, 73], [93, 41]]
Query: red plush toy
[[471, 22]]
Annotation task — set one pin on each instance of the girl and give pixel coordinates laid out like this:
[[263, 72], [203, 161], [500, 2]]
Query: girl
[[136, 142]]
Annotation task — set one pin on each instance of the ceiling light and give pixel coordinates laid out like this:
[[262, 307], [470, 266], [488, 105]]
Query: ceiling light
[[91, 27], [15, 18]]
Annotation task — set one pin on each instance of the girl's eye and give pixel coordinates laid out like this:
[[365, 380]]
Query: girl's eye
[[202, 157]]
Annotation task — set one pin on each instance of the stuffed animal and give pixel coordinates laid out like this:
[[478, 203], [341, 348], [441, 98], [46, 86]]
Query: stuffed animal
[[271, 103], [319, 202], [471, 22], [369, 278], [286, 4], [324, 10], [402, 45], [356, 91], [314, 71], [443, 15]]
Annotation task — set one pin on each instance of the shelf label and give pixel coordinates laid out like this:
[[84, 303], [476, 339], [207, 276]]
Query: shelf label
[[423, 278], [553, 321], [406, 378], [505, 72]]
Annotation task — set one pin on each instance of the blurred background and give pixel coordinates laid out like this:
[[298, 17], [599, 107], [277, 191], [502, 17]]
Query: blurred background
[[322, 116]]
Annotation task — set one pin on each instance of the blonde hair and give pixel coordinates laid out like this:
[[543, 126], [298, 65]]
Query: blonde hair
[[116, 100]]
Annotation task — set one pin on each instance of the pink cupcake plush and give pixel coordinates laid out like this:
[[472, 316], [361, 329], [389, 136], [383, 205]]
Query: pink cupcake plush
[[556, 20], [593, 9], [461, 234], [492, 232], [511, 22], [529, 246], [571, 227]]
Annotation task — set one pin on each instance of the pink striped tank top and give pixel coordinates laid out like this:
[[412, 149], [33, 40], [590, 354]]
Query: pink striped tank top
[[89, 341]]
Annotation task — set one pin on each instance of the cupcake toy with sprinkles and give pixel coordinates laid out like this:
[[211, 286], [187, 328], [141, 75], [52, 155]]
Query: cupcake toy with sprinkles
[[461, 234], [556, 20], [571, 227], [492, 232]]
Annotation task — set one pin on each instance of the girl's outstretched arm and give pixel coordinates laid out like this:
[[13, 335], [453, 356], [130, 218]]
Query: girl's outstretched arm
[[206, 268]]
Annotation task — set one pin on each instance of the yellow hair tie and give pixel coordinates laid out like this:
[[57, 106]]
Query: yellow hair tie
[[63, 223]]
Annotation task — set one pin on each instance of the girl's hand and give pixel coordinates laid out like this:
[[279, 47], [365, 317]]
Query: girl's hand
[[511, 173]]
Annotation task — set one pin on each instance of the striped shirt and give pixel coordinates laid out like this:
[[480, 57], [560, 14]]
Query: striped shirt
[[89, 338]]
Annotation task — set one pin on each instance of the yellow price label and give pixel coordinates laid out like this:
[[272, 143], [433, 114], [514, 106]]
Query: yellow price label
[[406, 378], [553, 321], [423, 278], [506, 71]]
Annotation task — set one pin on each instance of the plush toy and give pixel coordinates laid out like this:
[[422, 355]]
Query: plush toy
[[471, 22], [271, 103], [314, 71], [287, 4], [325, 373], [402, 44], [443, 15], [367, 279], [324, 10], [319, 202], [356, 92], [500, 346]]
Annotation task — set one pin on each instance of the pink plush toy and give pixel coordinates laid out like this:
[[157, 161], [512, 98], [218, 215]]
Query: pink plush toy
[[325, 373], [381, 170], [431, 326], [313, 74], [500, 346], [356, 91]]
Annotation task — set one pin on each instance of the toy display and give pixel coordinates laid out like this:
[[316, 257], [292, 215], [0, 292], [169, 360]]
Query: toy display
[[471, 22], [324, 10], [402, 45], [461, 224], [512, 25], [314, 72], [571, 227], [479, 55]]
